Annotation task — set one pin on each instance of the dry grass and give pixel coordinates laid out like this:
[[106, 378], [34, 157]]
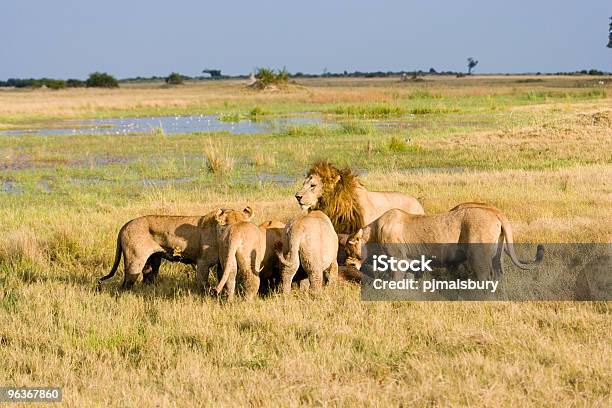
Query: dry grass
[[261, 159], [218, 159], [167, 345]]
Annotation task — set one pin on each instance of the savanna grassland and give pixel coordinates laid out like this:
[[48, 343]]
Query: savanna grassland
[[539, 148]]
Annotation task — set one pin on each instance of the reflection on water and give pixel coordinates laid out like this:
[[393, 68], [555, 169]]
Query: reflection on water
[[165, 125]]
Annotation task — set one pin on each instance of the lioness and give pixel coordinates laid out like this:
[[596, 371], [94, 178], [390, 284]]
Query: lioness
[[242, 246], [311, 242], [342, 197], [146, 240], [467, 225]]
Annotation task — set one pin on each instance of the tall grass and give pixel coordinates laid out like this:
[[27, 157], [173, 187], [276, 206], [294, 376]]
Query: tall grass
[[397, 144], [372, 111], [218, 159], [424, 94], [356, 128]]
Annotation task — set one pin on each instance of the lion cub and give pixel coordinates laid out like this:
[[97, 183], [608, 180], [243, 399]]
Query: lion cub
[[242, 248], [310, 241]]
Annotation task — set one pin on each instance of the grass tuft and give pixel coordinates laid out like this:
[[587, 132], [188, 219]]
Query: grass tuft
[[371, 111], [397, 144], [229, 117], [256, 112], [218, 160], [356, 128]]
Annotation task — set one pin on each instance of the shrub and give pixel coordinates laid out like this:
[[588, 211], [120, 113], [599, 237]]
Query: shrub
[[101, 80], [174, 79], [266, 77]]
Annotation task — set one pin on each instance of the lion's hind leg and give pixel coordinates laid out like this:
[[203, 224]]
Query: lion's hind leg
[[134, 265], [330, 275]]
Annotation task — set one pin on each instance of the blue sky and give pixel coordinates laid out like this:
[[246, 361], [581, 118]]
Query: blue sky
[[71, 38]]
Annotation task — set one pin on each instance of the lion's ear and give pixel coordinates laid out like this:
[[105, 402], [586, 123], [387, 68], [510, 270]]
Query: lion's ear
[[355, 238], [248, 211], [343, 239], [358, 235], [219, 216]]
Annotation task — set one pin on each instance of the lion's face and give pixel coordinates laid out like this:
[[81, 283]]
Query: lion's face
[[354, 262], [353, 248], [225, 217], [311, 191]]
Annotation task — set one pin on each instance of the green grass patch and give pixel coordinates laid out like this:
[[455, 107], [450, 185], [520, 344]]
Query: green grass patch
[[229, 117], [257, 112], [423, 94], [369, 111], [356, 128]]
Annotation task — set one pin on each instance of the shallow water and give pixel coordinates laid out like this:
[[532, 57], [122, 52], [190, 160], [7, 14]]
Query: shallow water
[[43, 186], [164, 124], [13, 187], [10, 187]]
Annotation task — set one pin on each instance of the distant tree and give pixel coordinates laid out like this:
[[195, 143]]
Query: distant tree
[[52, 83], [471, 63], [174, 79], [75, 83], [610, 34], [214, 73], [101, 80]]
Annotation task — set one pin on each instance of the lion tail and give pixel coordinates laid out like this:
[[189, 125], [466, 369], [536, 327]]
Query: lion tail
[[118, 252], [509, 247], [231, 266], [292, 260]]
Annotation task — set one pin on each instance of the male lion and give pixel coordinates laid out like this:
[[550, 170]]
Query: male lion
[[146, 240], [241, 249], [342, 197], [311, 243], [472, 233]]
